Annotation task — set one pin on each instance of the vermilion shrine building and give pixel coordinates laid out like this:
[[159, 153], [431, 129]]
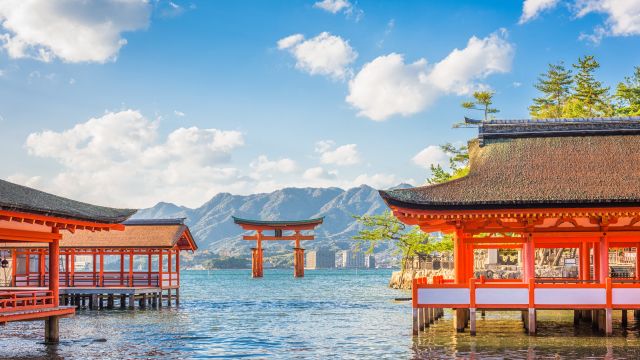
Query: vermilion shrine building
[[140, 263], [557, 183], [278, 227], [32, 216]]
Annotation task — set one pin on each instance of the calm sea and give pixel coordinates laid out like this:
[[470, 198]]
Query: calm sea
[[326, 315]]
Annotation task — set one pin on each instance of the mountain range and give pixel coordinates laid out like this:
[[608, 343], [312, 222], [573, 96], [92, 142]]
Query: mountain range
[[212, 224]]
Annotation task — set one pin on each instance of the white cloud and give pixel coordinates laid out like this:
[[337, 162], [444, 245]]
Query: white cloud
[[333, 6], [377, 181], [431, 155], [623, 17], [324, 54], [388, 86], [532, 8], [178, 113], [342, 155], [263, 165], [78, 31], [119, 159]]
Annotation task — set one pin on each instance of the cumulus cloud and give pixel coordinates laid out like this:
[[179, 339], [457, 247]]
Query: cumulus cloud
[[263, 165], [389, 86], [333, 6], [431, 155], [342, 155], [324, 54], [532, 8], [623, 17], [81, 31], [119, 158]]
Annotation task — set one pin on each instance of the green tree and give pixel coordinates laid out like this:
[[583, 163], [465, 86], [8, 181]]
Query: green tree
[[408, 240], [482, 101], [590, 97], [628, 95], [555, 86], [458, 165]]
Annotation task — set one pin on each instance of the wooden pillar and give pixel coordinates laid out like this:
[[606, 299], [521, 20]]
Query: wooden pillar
[[41, 271], [130, 267], [14, 266], [123, 301], [472, 322], [169, 255], [458, 257], [132, 301], [110, 301], [576, 317], [121, 268], [72, 268], [95, 259], [256, 257], [624, 318], [608, 312], [160, 271], [54, 272], [169, 297], [93, 302], [637, 261], [416, 328], [52, 329], [420, 319], [298, 262], [532, 321], [461, 320], [583, 259], [177, 270], [604, 258], [596, 261], [472, 307], [101, 277]]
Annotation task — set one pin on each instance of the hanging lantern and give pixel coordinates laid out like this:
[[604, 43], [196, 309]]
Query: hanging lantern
[[4, 263]]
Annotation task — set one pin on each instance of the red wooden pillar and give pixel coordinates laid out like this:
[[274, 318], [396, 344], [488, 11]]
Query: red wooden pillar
[[256, 257], [121, 267], [27, 267], [298, 257], [14, 266], [604, 259], [637, 262], [458, 257], [54, 268], [596, 261], [584, 260], [149, 265], [72, 268], [93, 276], [41, 270], [160, 270], [101, 278], [178, 267], [131, 267], [169, 255], [529, 259]]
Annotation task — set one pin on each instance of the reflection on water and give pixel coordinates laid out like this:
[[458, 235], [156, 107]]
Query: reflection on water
[[328, 314]]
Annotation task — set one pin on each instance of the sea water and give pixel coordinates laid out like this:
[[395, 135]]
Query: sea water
[[328, 314]]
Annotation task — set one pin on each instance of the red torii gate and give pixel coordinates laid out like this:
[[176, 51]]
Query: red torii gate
[[297, 226]]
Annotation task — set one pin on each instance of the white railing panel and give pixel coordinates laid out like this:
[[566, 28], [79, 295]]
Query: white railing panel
[[573, 296], [502, 296], [625, 296], [454, 296]]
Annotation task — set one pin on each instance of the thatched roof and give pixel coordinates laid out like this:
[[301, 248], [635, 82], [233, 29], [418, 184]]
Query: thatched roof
[[163, 233], [20, 198], [535, 164]]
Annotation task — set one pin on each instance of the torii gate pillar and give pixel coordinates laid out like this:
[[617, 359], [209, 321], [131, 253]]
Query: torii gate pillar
[[298, 257], [256, 257]]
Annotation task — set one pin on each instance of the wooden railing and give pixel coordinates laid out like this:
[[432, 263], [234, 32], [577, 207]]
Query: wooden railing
[[439, 293], [25, 300], [107, 279]]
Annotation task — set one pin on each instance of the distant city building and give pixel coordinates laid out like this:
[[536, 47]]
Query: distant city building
[[370, 261], [352, 259], [321, 259]]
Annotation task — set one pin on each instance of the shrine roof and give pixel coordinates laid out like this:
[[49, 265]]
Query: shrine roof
[[540, 164]]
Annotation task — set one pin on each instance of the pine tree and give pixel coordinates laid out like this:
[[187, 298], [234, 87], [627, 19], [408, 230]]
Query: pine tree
[[555, 86], [628, 95], [482, 101], [590, 98]]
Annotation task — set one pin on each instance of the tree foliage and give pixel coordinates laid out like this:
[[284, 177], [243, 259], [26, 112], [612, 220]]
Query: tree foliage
[[590, 98], [482, 101], [628, 95], [458, 165], [555, 86], [408, 240]]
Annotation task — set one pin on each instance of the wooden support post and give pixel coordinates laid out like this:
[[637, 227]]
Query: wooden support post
[[154, 300], [54, 273], [420, 319], [608, 316], [52, 330], [576, 317], [416, 328], [93, 302], [110, 301], [82, 301], [131, 268], [604, 258], [458, 256], [256, 257], [177, 296], [123, 301], [624, 318], [298, 262], [460, 319], [637, 261], [132, 301], [532, 321], [101, 301], [584, 261], [169, 297], [472, 322], [143, 301]]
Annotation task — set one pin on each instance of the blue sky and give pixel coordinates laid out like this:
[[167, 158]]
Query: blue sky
[[127, 103]]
